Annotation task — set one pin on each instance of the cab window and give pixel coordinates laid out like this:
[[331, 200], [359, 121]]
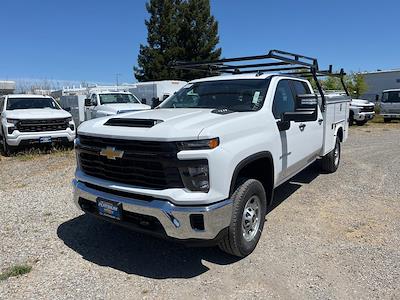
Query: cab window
[[283, 99], [1, 104], [300, 87]]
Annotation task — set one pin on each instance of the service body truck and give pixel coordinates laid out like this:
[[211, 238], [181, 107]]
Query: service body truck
[[390, 105], [153, 92], [202, 167], [100, 103], [33, 119]]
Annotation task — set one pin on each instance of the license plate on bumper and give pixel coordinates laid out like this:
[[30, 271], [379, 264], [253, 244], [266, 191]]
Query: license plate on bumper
[[45, 140], [109, 208]]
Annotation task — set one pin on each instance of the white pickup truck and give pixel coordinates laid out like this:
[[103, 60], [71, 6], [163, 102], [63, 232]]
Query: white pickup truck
[[202, 167], [33, 119], [361, 111]]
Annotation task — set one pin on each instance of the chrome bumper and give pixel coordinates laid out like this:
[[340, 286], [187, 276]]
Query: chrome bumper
[[174, 219]]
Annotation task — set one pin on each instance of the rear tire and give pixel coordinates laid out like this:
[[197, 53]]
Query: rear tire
[[248, 217], [331, 161], [387, 120]]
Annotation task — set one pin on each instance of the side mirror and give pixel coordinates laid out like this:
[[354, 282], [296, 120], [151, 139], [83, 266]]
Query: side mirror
[[88, 102], [155, 102], [306, 108]]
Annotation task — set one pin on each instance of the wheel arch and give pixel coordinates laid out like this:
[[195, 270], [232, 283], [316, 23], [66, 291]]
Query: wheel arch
[[260, 164], [340, 133]]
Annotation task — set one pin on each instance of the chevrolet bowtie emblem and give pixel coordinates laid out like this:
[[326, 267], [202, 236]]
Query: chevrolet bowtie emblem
[[111, 153]]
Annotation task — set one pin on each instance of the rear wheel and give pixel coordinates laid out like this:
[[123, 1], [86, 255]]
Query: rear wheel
[[331, 161], [248, 216], [387, 120]]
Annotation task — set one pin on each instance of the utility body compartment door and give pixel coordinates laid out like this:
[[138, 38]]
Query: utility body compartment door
[[302, 142]]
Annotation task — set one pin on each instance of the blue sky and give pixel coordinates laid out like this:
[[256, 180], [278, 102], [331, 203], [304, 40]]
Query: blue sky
[[93, 40]]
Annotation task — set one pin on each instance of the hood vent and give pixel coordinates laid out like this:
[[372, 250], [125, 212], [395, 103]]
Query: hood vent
[[125, 122]]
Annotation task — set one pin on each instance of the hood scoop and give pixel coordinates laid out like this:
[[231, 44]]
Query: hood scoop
[[222, 111], [126, 122]]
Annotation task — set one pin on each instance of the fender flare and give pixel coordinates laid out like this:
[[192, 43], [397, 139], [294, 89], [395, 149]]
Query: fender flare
[[248, 160]]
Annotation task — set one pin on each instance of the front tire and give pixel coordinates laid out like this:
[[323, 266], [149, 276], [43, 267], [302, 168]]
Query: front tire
[[331, 161], [248, 217], [6, 149], [387, 120], [361, 123]]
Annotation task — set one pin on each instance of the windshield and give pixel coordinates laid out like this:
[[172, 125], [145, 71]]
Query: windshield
[[391, 96], [235, 95], [117, 98], [29, 103]]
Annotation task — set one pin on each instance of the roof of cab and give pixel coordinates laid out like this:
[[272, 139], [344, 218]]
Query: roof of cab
[[27, 96], [391, 90]]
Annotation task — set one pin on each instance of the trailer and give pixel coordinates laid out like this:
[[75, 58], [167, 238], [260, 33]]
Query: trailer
[[161, 90]]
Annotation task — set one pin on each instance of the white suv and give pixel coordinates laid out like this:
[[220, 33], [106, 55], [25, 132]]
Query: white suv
[[33, 119]]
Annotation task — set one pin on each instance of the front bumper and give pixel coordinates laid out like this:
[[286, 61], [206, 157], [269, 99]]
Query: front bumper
[[17, 138], [364, 116], [389, 115], [177, 221]]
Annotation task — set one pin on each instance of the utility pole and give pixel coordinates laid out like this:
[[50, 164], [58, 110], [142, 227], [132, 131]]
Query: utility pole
[[117, 77]]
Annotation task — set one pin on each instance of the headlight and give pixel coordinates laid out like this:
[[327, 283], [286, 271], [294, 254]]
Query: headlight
[[69, 119], [199, 144], [196, 176], [13, 121]]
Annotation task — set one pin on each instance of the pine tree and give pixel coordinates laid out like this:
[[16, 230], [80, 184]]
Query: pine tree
[[177, 31]]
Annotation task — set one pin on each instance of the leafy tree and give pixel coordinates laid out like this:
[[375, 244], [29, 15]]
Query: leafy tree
[[356, 85], [178, 30]]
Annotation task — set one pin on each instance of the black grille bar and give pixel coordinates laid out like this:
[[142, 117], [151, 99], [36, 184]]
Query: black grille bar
[[144, 164], [42, 125]]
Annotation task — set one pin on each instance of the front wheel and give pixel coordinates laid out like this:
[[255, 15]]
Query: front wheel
[[248, 217], [6, 149], [331, 161], [387, 120], [361, 123]]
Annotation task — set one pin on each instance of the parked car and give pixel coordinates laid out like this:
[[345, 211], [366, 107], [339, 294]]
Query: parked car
[[361, 111], [390, 105], [32, 119], [202, 167], [100, 103]]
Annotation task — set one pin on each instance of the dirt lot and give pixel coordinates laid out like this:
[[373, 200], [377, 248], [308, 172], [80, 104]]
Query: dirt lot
[[328, 236]]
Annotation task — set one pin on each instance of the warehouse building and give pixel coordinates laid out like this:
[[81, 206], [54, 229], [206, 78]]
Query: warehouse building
[[379, 81], [7, 87]]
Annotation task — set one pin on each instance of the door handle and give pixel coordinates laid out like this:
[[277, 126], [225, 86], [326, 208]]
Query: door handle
[[302, 126], [320, 121]]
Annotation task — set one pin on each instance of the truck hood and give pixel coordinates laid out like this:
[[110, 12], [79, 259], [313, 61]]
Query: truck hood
[[172, 124], [360, 102], [124, 107], [36, 114]]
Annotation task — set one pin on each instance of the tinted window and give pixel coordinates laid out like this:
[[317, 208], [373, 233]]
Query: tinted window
[[300, 87], [29, 103], [283, 99], [117, 98], [391, 96], [235, 95], [1, 104]]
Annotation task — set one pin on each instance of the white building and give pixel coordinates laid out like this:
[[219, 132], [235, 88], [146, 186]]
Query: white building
[[380, 80], [7, 87]]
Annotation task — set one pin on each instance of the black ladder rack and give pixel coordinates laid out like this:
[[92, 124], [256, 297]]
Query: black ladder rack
[[284, 63]]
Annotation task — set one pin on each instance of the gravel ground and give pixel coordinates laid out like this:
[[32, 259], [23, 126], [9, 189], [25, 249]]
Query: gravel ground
[[330, 236]]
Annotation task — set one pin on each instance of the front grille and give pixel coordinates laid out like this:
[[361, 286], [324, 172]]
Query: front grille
[[367, 109], [42, 125], [144, 164]]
